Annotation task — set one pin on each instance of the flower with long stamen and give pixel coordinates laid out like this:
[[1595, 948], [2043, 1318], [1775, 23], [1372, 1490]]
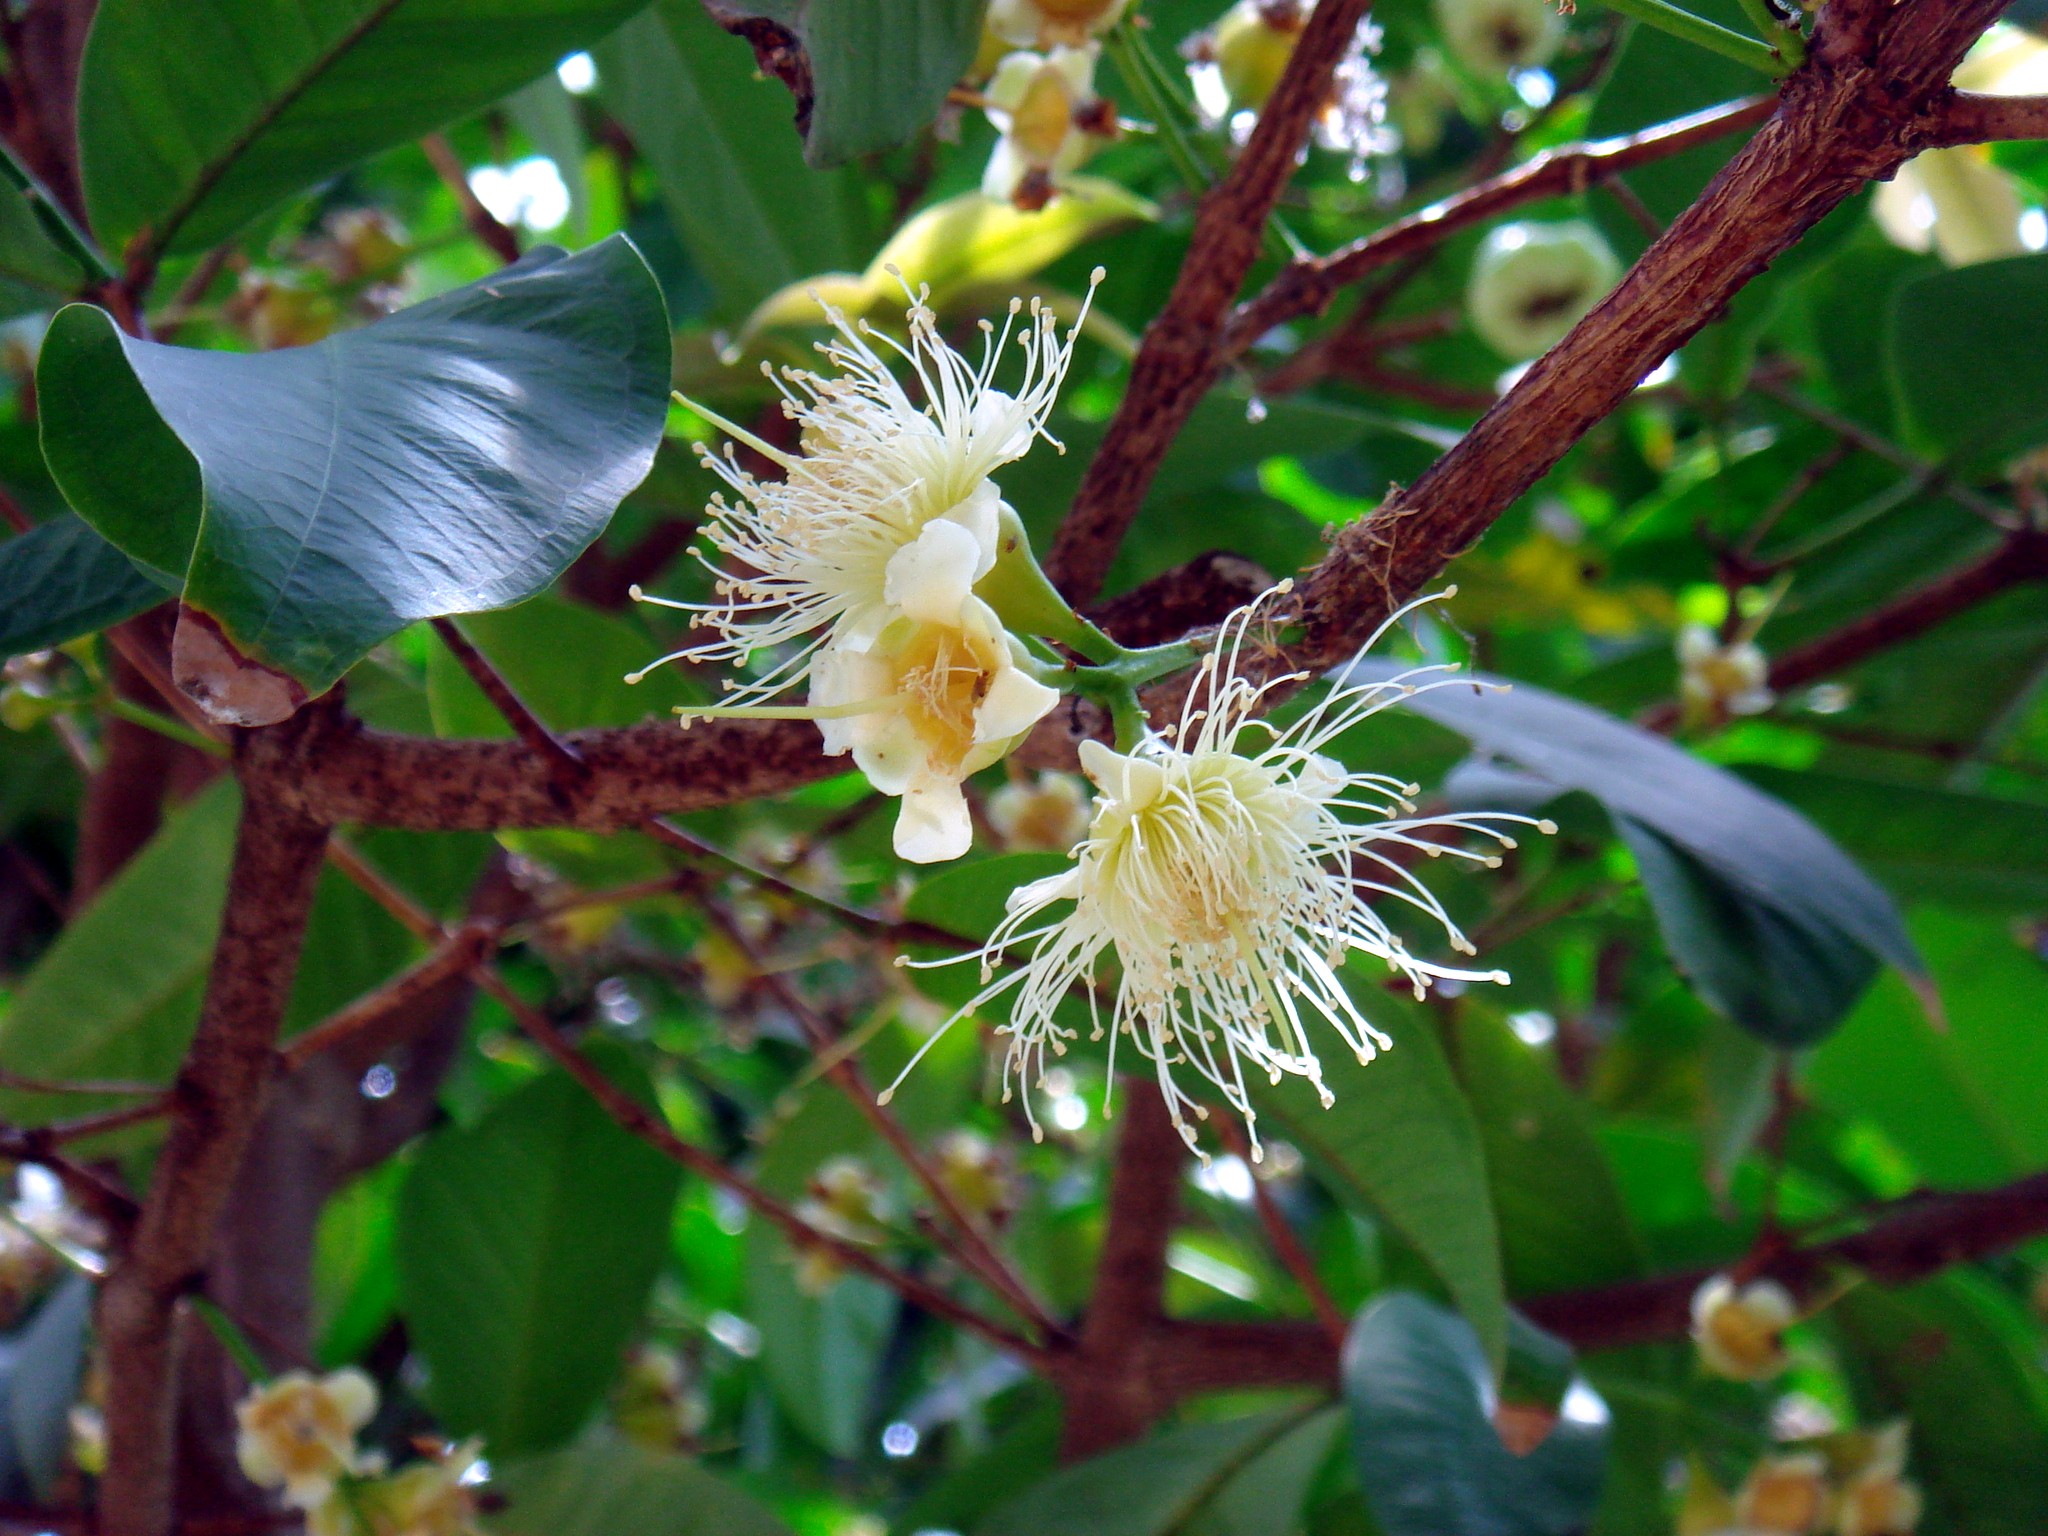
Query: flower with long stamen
[[1230, 867], [887, 507]]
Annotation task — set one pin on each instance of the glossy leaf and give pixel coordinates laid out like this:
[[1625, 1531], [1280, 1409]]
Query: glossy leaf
[[1744, 870], [605, 1488], [454, 457], [61, 580], [1401, 1143], [730, 168], [193, 119], [117, 995], [526, 1246], [1428, 1457], [1243, 1477]]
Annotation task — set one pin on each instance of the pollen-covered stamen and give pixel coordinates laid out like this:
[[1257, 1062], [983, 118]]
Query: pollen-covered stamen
[[1232, 867]]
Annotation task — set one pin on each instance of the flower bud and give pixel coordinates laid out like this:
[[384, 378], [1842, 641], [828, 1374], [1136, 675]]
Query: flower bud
[[1878, 1502], [845, 1201], [1784, 1496], [979, 1174], [658, 1404], [1741, 1333], [1251, 46], [1047, 814], [298, 1432], [1531, 283], [1954, 202], [1492, 37], [1050, 23], [1718, 679]]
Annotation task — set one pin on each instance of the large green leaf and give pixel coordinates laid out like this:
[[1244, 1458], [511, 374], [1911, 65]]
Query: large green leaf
[[605, 1488], [1428, 1456], [526, 1246], [61, 580], [1243, 1477], [117, 995], [452, 458], [1562, 1221], [1962, 1365], [880, 69], [752, 215], [193, 119], [1723, 859], [1969, 380], [1965, 1104], [47, 1370], [1401, 1143]]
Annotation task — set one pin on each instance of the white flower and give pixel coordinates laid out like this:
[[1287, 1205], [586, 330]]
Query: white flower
[[298, 1432], [1044, 23], [1953, 202], [1784, 1496], [1717, 678], [1230, 884], [1740, 1331], [1532, 282], [888, 502], [1879, 1499], [1050, 120], [927, 703]]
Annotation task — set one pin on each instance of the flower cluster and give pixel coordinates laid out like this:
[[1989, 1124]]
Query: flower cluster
[[1228, 868], [297, 1434], [1236, 65], [1740, 1330], [1853, 1485]]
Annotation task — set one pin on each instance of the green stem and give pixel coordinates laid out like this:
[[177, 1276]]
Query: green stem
[[1786, 41], [56, 223], [1710, 35], [1128, 54], [232, 1339], [164, 725], [1127, 715]]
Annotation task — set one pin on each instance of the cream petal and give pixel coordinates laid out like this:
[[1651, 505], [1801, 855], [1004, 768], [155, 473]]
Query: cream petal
[[890, 753], [1014, 21], [933, 824], [980, 512], [1006, 169], [1014, 703], [929, 578]]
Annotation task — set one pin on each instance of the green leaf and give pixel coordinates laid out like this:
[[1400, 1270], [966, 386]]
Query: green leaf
[[48, 1368], [61, 580], [605, 1488], [823, 1352], [880, 69], [1785, 982], [1960, 1362], [1428, 1457], [355, 1274], [117, 995], [526, 1247], [1739, 862], [1969, 383], [1243, 1477], [1401, 1143], [1963, 1104], [752, 215], [193, 119], [451, 458], [1563, 1225]]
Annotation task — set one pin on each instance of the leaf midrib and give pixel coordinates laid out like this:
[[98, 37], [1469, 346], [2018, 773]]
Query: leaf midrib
[[210, 176]]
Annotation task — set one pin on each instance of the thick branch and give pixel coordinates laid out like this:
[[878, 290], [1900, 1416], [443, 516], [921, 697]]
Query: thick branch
[[1307, 287], [216, 1101], [1179, 360]]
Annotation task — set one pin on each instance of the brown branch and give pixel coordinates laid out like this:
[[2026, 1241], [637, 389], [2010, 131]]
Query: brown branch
[[500, 241], [1179, 359], [1307, 287], [397, 998], [2022, 558], [1844, 119], [565, 763], [216, 1101], [1287, 1243], [1971, 118]]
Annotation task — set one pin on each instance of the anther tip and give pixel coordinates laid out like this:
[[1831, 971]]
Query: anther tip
[[635, 593], [1547, 827], [885, 1095]]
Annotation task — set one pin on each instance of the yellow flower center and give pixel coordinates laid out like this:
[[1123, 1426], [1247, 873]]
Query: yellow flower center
[[942, 675], [1043, 119]]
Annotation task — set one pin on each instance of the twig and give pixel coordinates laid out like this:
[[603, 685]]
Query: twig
[[1973, 118], [570, 770], [499, 240], [1287, 1244], [93, 1087], [455, 956]]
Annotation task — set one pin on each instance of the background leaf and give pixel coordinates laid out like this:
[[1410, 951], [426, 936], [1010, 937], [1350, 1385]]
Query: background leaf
[[61, 580], [454, 457], [526, 1246], [1968, 383], [605, 1488], [1428, 1458], [193, 119]]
